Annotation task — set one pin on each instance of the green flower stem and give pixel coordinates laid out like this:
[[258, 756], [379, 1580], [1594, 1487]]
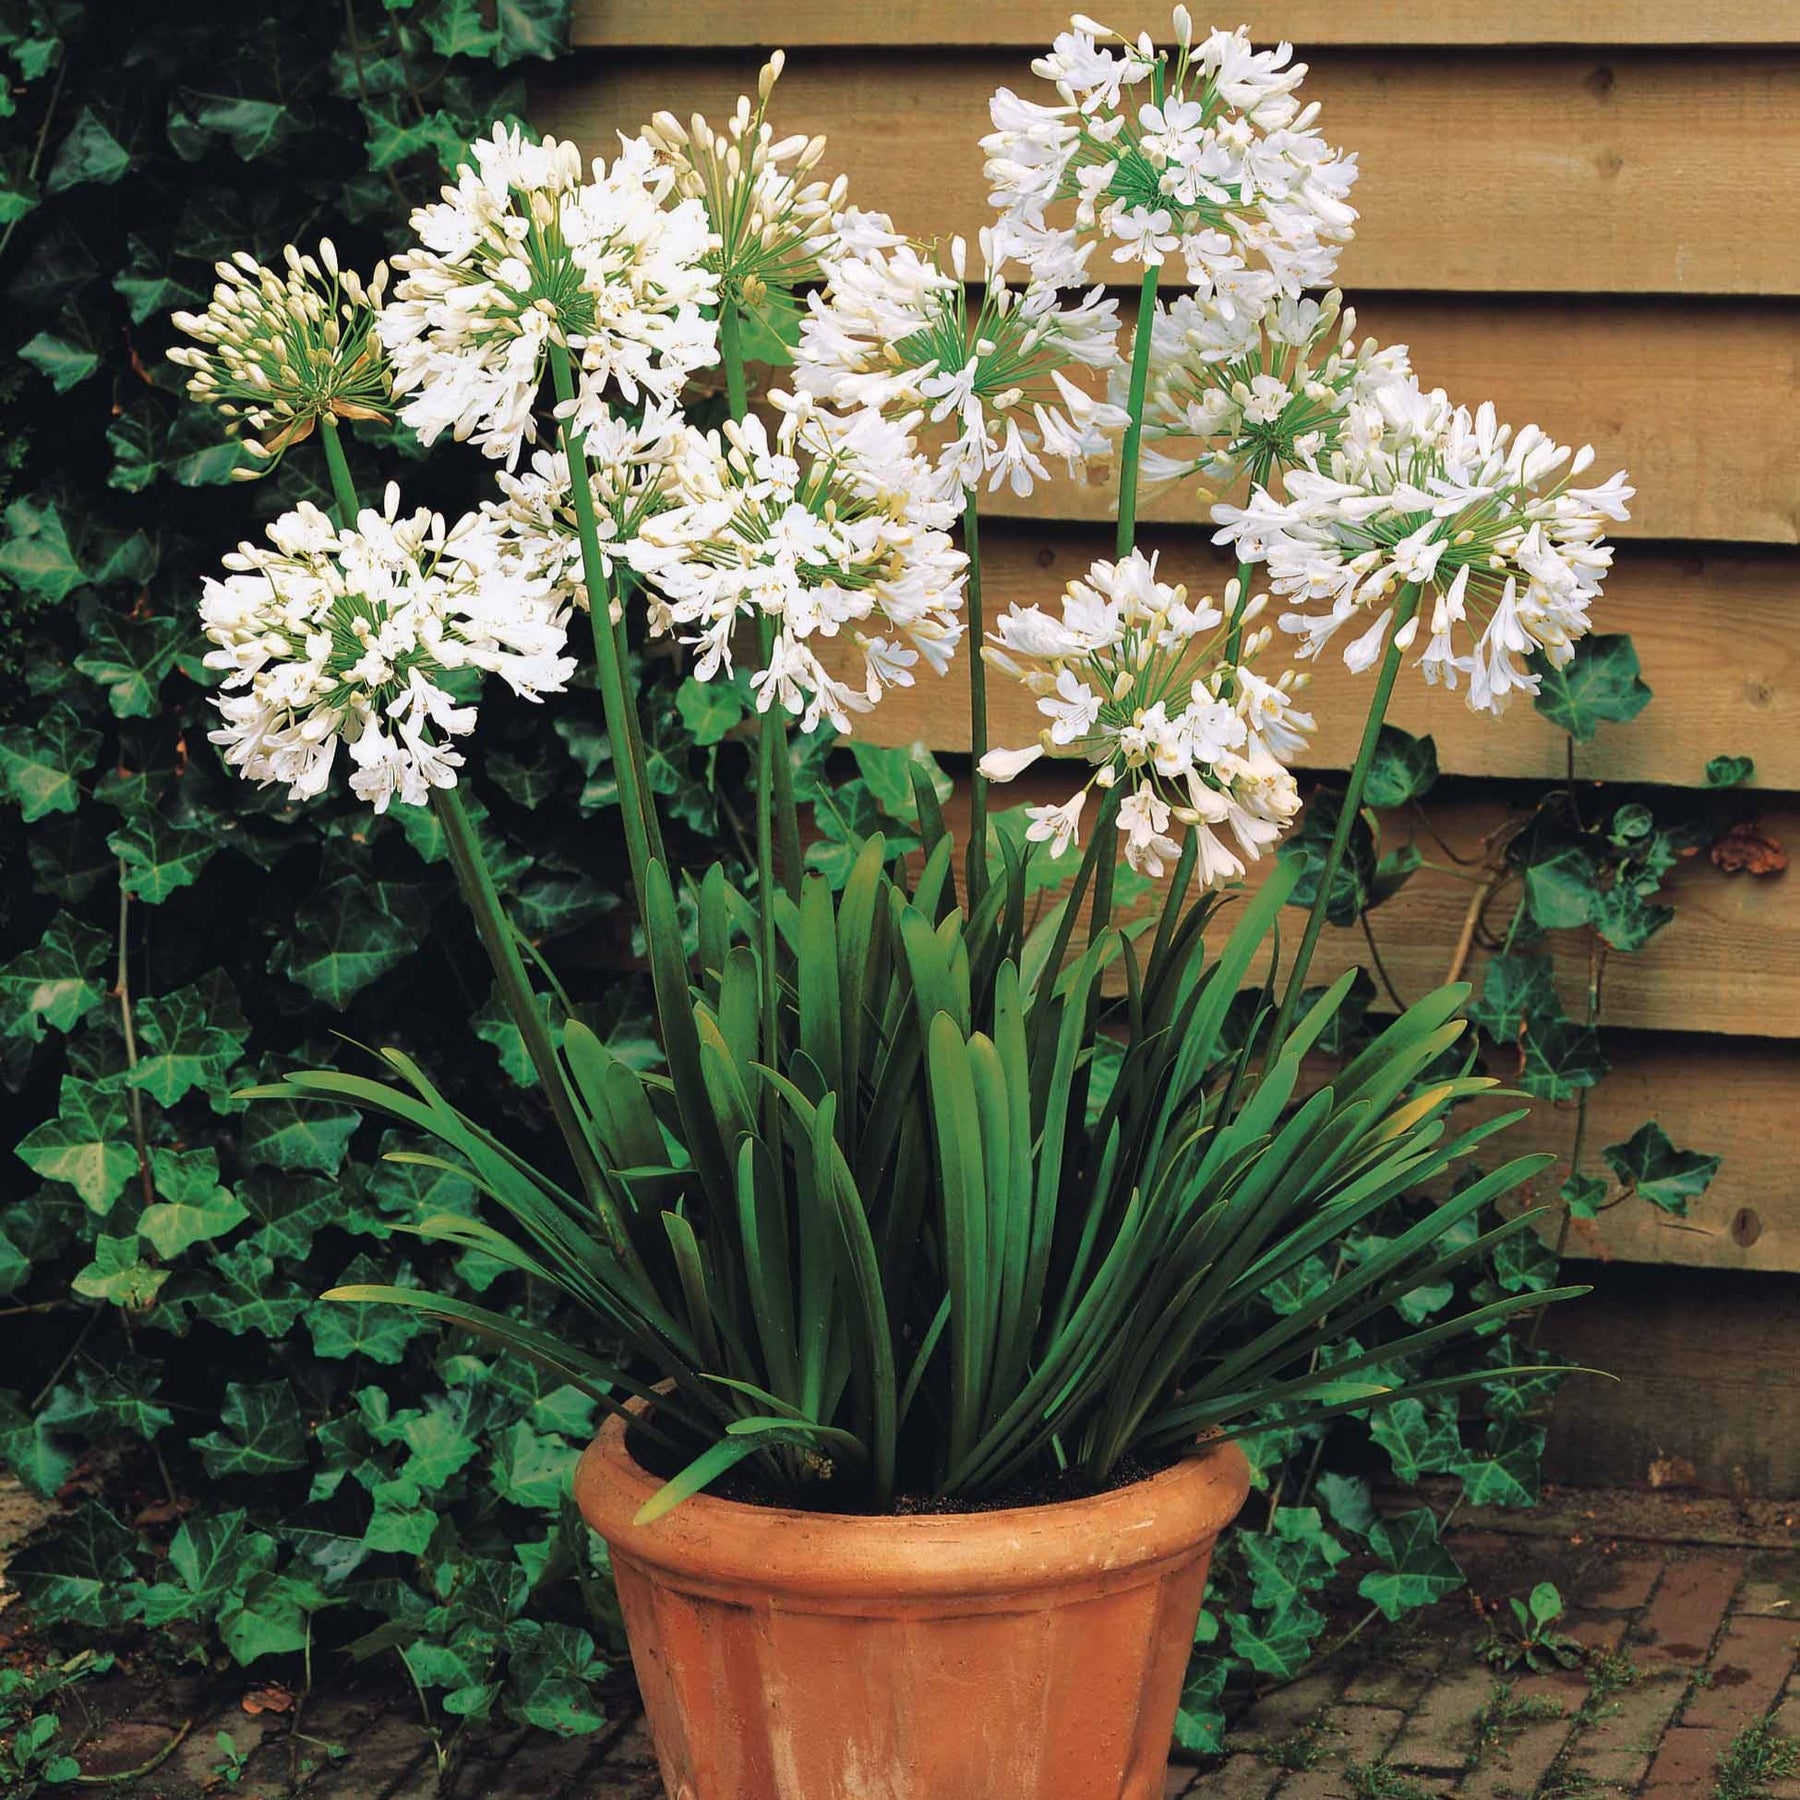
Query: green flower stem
[[1352, 805], [787, 818], [978, 722], [496, 936], [343, 489], [1129, 450], [643, 837], [1234, 630]]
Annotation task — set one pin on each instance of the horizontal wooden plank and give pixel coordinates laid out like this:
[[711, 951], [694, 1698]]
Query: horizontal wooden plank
[[1717, 1095], [707, 23], [1729, 964], [1700, 403], [1547, 172], [1706, 1388], [1717, 633]]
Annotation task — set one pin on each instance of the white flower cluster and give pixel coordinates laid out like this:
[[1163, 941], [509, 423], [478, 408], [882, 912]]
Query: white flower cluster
[[369, 636], [281, 352], [636, 472], [1211, 157], [522, 252], [1132, 678], [1485, 525], [894, 330], [828, 527], [771, 225], [1241, 396]]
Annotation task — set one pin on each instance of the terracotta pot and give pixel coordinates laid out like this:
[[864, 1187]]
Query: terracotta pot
[[1035, 1653]]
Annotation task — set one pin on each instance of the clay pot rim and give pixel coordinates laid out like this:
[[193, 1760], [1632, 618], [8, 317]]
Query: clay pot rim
[[730, 1544]]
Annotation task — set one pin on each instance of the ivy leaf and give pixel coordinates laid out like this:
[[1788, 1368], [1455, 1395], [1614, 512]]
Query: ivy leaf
[[1294, 1558], [130, 658], [1563, 888], [551, 905], [66, 356], [1583, 1195], [269, 1617], [493, 1025], [1404, 768], [529, 1468], [211, 1558], [889, 774], [88, 1144], [1311, 844], [1278, 1643], [289, 1211], [1729, 771], [1599, 685], [159, 858], [119, 1275], [551, 1680], [261, 1431], [242, 1295], [381, 1333], [1417, 1443], [1650, 1166], [1512, 1473], [712, 710], [188, 1039], [537, 28], [1348, 1500], [348, 934], [1627, 918], [292, 1135], [1200, 1719], [35, 555], [41, 766], [29, 1448], [1524, 1263], [77, 1574], [193, 1207], [1561, 1058], [88, 153], [1419, 1570], [251, 126], [56, 983]]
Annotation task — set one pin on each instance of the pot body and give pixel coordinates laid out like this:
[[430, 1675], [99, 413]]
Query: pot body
[[1032, 1653]]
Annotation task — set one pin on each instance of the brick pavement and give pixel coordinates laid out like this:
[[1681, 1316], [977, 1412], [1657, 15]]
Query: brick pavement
[[1686, 1648]]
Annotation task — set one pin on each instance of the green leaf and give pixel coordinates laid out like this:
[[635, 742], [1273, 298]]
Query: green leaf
[[1418, 1571], [193, 1209], [88, 153], [350, 933], [1515, 990], [1627, 918], [1563, 888], [129, 658], [889, 774], [269, 1618], [88, 1144], [29, 1448], [1200, 1719], [1561, 1058], [243, 1295], [711, 710], [493, 1024], [41, 767], [1279, 1643], [57, 982], [35, 555], [261, 1432], [1417, 1442], [288, 1135], [1295, 1557], [1404, 768], [188, 1039], [530, 1469], [1729, 771], [1511, 1475], [119, 1275], [211, 1558], [1583, 1196], [68, 355], [159, 859], [1599, 685], [78, 1572], [1650, 1166], [538, 28], [381, 1333], [551, 1681]]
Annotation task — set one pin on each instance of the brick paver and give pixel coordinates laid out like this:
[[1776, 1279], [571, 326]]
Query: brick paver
[[1748, 1670], [1687, 1609], [1615, 1744]]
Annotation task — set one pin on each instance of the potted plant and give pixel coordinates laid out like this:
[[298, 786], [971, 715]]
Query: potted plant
[[926, 1275]]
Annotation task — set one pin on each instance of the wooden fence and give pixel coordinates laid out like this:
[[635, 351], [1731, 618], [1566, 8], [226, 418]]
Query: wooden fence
[[1591, 216]]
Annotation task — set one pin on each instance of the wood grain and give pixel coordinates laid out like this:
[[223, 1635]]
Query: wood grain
[[704, 23], [1548, 171], [1717, 633], [1729, 964], [1716, 1095]]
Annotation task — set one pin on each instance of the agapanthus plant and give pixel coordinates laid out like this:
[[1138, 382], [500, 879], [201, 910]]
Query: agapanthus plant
[[876, 1228]]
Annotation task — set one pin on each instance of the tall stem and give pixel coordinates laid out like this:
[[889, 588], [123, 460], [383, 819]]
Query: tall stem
[[769, 724], [643, 838], [343, 489], [1130, 449], [978, 721], [516, 991], [1234, 631], [1352, 805]]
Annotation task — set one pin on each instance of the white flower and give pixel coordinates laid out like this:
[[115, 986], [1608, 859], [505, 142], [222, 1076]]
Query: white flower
[[771, 225], [894, 330], [829, 528], [1245, 395], [522, 253], [1207, 153], [1504, 553], [1134, 681], [281, 352], [374, 636]]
